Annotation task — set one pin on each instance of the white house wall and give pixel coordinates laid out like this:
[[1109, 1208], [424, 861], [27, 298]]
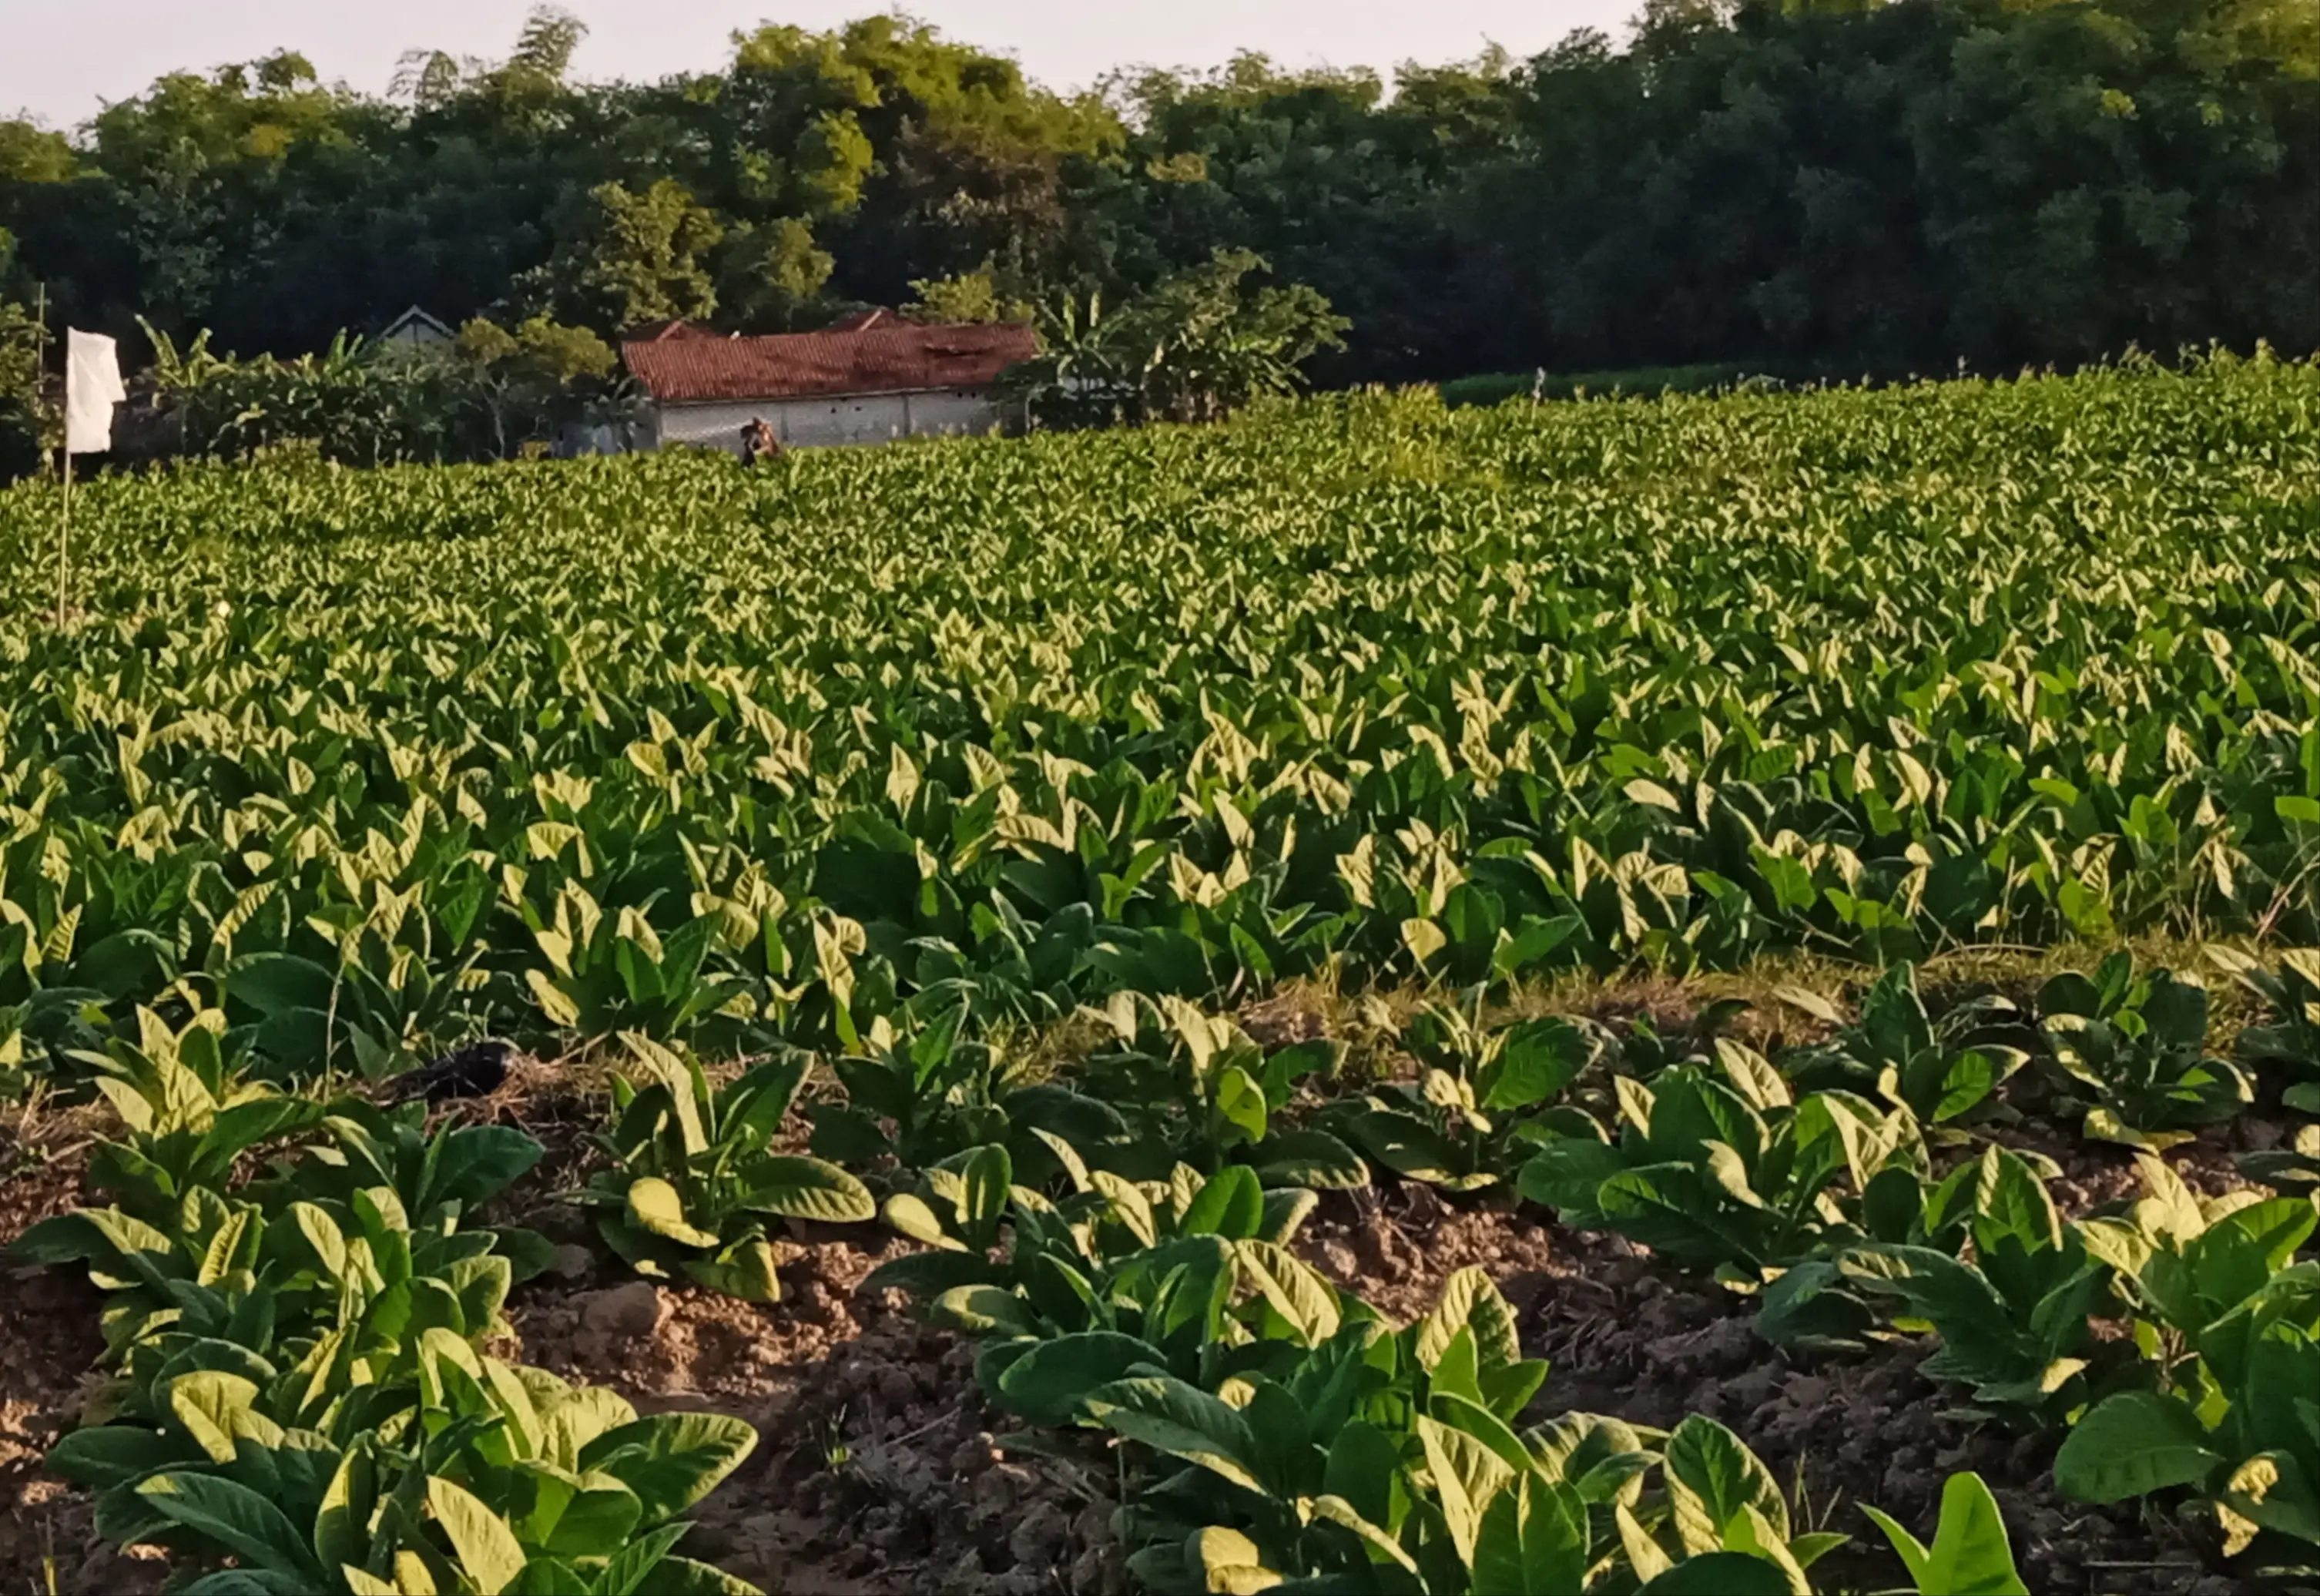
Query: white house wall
[[811, 423]]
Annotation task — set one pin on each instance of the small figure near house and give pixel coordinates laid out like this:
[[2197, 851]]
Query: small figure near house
[[759, 442]]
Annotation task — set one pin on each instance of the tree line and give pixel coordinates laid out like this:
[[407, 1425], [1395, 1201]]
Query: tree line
[[1829, 186]]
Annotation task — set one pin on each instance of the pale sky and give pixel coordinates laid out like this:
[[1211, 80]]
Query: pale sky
[[62, 58]]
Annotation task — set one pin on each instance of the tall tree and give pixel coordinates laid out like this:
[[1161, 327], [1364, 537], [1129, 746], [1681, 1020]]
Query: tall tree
[[625, 259]]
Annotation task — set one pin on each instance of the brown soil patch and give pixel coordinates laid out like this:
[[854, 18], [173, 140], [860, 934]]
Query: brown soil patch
[[48, 1328], [878, 1469], [1394, 1246]]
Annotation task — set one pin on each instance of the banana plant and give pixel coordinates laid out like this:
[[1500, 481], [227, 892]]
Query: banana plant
[[2131, 1050], [693, 1182]]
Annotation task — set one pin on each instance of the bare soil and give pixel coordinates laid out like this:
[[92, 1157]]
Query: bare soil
[[878, 1469], [49, 1343]]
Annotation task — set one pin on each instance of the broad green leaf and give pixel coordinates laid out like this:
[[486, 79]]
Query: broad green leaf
[[983, 1310], [486, 1548], [1296, 1290], [654, 1205], [205, 1404], [234, 1517], [671, 1460], [1182, 1421], [111, 1453], [1719, 1574], [1230, 1204], [806, 1189], [2131, 1444], [1970, 1555], [1467, 1475], [1470, 1301], [1712, 1478]]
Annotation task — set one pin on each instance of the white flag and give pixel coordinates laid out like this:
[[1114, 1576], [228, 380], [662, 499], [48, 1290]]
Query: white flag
[[91, 388]]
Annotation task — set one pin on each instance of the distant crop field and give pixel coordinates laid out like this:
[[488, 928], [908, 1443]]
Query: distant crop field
[[1153, 871], [1358, 683]]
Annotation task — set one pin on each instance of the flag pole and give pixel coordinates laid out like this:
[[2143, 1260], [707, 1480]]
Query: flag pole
[[64, 540], [64, 525]]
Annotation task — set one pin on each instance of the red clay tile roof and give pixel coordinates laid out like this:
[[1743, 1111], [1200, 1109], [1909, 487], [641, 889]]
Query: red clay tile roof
[[886, 358]]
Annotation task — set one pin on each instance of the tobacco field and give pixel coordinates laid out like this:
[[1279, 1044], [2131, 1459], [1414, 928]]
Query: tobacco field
[[1709, 995]]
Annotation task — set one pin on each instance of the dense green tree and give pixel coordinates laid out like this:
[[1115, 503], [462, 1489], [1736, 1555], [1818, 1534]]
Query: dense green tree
[[964, 297], [29, 153], [771, 274], [21, 350], [626, 258], [1837, 185], [1197, 345], [526, 379], [1338, 187], [1831, 187]]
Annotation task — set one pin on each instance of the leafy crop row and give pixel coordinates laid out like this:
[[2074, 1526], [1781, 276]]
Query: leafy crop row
[[298, 1400], [1291, 1441], [335, 1308], [370, 761]]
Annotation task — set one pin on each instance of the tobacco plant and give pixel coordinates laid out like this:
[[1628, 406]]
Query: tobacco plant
[[187, 1113], [1484, 1102], [933, 1091], [1391, 1461], [2014, 1321], [1941, 1070], [2288, 1040], [488, 1478], [2132, 1049], [1197, 1089], [693, 1182], [438, 1177], [2232, 1327], [1193, 1275], [1725, 1171]]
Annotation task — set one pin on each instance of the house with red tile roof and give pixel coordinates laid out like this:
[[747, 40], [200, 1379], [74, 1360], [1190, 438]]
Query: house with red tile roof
[[871, 378]]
